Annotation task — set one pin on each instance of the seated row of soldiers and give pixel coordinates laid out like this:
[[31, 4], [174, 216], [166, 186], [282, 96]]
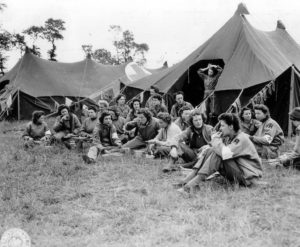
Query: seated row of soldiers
[[238, 142]]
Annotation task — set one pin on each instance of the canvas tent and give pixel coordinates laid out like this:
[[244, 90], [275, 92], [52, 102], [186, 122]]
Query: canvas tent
[[251, 58], [35, 83]]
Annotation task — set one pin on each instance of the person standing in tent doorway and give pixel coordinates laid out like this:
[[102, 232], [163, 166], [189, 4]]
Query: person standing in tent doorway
[[210, 76], [66, 125], [122, 107], [179, 97]]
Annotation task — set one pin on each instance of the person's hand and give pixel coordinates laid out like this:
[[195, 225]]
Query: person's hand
[[174, 153], [216, 135], [64, 118], [257, 123], [151, 141], [69, 135]]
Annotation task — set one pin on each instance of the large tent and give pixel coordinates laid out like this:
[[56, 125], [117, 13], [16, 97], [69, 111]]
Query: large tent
[[35, 83], [250, 58]]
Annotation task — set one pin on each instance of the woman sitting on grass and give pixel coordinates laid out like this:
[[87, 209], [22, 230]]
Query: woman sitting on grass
[[36, 131], [105, 138], [232, 154], [66, 125], [121, 105], [161, 144], [248, 124], [291, 158]]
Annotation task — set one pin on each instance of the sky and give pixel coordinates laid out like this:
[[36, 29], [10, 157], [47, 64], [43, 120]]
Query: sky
[[171, 28]]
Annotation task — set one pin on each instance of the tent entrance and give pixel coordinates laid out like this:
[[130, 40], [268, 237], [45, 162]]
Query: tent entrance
[[193, 86]]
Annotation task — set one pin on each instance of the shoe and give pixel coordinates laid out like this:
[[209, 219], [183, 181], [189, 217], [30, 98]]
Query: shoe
[[214, 175], [169, 168], [87, 159], [178, 185]]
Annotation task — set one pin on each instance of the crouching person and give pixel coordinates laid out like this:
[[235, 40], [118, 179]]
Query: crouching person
[[161, 144], [269, 136], [66, 125], [146, 127], [36, 131], [105, 138], [233, 155]]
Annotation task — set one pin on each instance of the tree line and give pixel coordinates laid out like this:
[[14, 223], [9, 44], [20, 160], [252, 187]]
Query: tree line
[[126, 49]]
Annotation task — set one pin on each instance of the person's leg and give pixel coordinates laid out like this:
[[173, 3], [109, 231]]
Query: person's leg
[[161, 151], [135, 143], [231, 171], [59, 136]]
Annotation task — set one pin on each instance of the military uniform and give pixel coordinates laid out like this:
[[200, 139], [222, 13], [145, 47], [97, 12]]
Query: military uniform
[[268, 138]]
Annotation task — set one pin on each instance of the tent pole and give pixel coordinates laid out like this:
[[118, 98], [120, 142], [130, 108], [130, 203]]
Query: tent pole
[[291, 103], [19, 105]]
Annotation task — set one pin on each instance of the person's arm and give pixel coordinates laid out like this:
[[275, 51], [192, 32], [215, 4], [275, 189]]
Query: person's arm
[[77, 125], [173, 112], [26, 134], [115, 138], [130, 125], [267, 138], [58, 124], [96, 135]]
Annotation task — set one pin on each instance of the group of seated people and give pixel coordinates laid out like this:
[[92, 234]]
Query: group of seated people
[[234, 148]]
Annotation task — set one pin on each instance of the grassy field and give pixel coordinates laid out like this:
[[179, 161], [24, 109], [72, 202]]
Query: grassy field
[[121, 201]]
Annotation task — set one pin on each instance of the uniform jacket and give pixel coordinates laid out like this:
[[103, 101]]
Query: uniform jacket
[[70, 126]]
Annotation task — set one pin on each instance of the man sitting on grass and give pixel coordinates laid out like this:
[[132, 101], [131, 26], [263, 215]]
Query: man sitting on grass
[[179, 97], [233, 155], [147, 128], [161, 144], [269, 135], [105, 138], [184, 115]]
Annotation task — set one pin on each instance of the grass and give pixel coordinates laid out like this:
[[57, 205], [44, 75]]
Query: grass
[[60, 201]]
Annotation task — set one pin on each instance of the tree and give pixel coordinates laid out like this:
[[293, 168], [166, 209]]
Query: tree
[[18, 41], [2, 6], [35, 32], [104, 56], [52, 32], [127, 49], [5, 45]]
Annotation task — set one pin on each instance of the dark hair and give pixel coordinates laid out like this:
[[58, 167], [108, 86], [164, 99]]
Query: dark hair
[[230, 119], [263, 108], [119, 97], [114, 109], [156, 90], [157, 96], [184, 108], [146, 112], [36, 115], [194, 113], [242, 113], [103, 115], [164, 116], [177, 93], [92, 108], [61, 107], [132, 103]]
